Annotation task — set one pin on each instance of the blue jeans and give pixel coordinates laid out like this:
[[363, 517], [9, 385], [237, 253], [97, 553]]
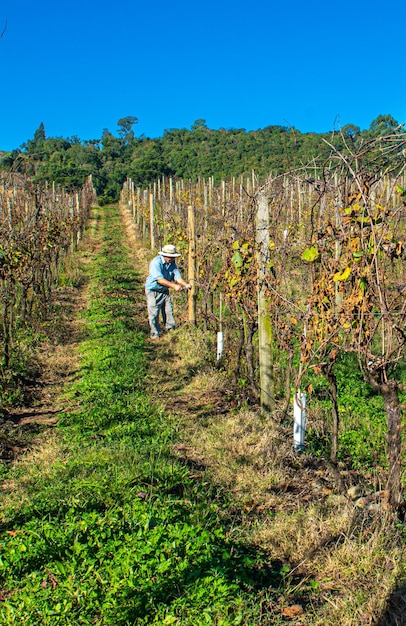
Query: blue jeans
[[159, 303]]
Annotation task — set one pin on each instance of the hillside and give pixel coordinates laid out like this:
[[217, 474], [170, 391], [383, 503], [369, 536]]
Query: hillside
[[199, 152], [143, 491]]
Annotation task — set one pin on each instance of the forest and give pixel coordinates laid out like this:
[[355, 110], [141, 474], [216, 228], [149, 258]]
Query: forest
[[181, 153]]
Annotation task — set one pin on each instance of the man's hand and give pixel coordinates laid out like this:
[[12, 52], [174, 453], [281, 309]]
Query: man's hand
[[178, 287]]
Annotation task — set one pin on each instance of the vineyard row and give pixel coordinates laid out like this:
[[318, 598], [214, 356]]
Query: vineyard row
[[309, 270]]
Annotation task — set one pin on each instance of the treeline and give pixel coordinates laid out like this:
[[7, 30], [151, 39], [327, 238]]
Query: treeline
[[182, 153]]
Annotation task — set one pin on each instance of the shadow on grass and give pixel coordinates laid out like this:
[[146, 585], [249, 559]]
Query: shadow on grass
[[262, 582], [394, 613]]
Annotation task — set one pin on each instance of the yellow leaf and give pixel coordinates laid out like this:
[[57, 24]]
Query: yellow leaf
[[355, 243], [342, 275]]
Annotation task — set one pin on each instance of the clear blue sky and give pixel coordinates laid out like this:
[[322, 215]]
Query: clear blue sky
[[80, 66]]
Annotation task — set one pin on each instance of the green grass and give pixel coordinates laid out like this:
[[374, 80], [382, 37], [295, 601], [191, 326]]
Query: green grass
[[362, 437], [103, 524]]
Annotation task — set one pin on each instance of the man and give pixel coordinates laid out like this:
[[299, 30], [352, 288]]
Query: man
[[163, 276]]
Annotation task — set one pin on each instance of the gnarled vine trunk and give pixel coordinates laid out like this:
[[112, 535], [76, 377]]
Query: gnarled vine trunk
[[332, 385], [389, 392]]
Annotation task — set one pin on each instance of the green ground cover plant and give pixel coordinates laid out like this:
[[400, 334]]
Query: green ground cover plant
[[103, 524], [362, 416]]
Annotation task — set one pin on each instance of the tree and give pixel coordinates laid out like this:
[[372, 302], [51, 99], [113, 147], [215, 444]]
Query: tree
[[111, 146], [198, 125], [35, 145], [383, 125], [147, 164], [351, 131], [39, 134], [125, 128]]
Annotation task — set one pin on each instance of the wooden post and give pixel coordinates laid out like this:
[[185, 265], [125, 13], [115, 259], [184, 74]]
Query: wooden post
[[170, 192], [265, 335], [192, 266], [78, 210], [299, 203], [151, 220], [133, 202], [10, 214], [74, 242]]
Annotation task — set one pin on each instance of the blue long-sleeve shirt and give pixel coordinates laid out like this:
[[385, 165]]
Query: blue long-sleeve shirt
[[158, 268]]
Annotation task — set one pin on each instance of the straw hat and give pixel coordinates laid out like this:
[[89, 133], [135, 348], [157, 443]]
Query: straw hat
[[169, 250]]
